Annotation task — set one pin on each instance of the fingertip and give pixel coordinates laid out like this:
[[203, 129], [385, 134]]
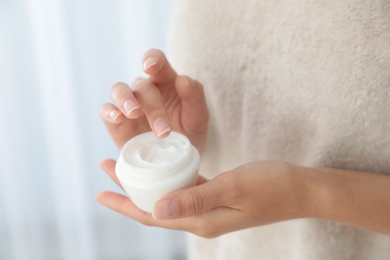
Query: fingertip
[[98, 197], [111, 114], [132, 109], [107, 199], [152, 61], [114, 115], [101, 164], [107, 163], [126, 103], [161, 127], [156, 65], [148, 63]]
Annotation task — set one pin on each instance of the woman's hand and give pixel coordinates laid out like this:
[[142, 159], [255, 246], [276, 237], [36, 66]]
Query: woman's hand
[[161, 103], [254, 194], [251, 195], [261, 193]]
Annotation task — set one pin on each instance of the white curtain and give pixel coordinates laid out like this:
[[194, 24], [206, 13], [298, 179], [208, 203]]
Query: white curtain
[[58, 60]]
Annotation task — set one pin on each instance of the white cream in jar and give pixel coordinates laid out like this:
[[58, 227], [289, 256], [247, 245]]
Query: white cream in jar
[[149, 168]]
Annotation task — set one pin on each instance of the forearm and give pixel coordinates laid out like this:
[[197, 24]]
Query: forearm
[[357, 199]]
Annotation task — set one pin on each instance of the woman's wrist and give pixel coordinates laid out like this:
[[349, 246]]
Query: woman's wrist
[[294, 198], [301, 194], [311, 196], [330, 192], [342, 196], [314, 197]]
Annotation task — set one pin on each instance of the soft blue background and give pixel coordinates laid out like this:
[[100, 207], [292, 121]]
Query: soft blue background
[[58, 61]]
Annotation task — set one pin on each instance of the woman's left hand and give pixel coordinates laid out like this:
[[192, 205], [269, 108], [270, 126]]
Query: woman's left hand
[[253, 194]]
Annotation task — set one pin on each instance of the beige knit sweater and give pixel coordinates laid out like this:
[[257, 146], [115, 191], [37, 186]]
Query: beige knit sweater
[[306, 82]]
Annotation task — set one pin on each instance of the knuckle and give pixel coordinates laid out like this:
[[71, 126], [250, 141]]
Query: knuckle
[[124, 205], [193, 83], [137, 80], [116, 89], [140, 84], [117, 86], [196, 203], [190, 82], [198, 84]]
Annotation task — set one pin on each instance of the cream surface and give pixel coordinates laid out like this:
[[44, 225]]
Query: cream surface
[[147, 151]]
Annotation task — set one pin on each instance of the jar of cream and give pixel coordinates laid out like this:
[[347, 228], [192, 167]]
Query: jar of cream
[[149, 168]]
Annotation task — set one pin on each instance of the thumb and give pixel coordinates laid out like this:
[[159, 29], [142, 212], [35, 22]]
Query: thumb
[[191, 201]]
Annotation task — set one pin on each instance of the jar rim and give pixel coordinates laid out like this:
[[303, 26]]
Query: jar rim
[[159, 170]]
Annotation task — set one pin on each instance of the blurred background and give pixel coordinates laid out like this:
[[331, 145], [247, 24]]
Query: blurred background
[[58, 61]]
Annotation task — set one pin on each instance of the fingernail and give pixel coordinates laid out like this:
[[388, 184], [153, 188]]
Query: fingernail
[[129, 106], [166, 209], [149, 62], [113, 115], [161, 126]]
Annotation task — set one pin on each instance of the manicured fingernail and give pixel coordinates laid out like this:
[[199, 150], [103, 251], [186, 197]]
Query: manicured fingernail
[[161, 126], [113, 115], [166, 209], [129, 106], [149, 62]]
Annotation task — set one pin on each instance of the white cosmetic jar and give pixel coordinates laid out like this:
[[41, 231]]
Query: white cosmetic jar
[[149, 168]]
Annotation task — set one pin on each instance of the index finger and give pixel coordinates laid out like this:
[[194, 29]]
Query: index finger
[[158, 68]]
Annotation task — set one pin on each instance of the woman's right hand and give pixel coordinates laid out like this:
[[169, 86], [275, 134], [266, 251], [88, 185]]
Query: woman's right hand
[[161, 103]]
